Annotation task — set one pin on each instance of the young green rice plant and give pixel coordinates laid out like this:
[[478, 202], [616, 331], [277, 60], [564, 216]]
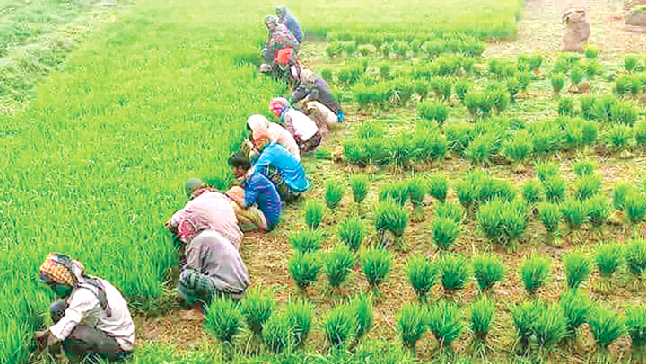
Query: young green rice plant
[[442, 87], [497, 97], [620, 193], [623, 85], [557, 81], [385, 71], [586, 105], [565, 106], [587, 186], [638, 84], [534, 272], [326, 74], [257, 308], [479, 150], [535, 62], [518, 150], [513, 87], [607, 259], [524, 80], [545, 170], [360, 185], [352, 232], [576, 75], [223, 320], [623, 112], [417, 190], [391, 217], [574, 214], [453, 272], [554, 187], [473, 102], [370, 129], [305, 241], [575, 307], [585, 166], [450, 211], [299, 314], [376, 263], [462, 87], [630, 62], [640, 129], [524, 317], [399, 146], [338, 325], [577, 268], [635, 257], [635, 209], [488, 270], [599, 212], [482, 313], [636, 328], [444, 232], [313, 211], [606, 326], [550, 327], [549, 214], [411, 324], [445, 322], [618, 138], [532, 191], [277, 333], [503, 222], [590, 131], [421, 273], [361, 307], [438, 185], [334, 194], [602, 108], [337, 264], [304, 268]]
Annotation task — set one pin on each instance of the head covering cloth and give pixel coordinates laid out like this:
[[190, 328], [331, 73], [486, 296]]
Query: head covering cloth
[[279, 105]]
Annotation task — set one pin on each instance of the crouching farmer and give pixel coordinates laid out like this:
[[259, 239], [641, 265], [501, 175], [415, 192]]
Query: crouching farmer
[[257, 190], [213, 268], [108, 330]]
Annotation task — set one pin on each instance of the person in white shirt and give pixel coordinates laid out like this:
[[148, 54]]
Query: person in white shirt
[[303, 129], [91, 319]]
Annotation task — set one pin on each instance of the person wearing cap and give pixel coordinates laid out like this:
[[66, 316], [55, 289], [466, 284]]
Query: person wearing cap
[[255, 189], [303, 129], [277, 133], [279, 37], [280, 167], [206, 209], [91, 317], [314, 88], [290, 22]]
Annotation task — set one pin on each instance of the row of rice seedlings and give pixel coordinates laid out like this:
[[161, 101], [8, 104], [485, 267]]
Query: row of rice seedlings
[[399, 149], [443, 319]]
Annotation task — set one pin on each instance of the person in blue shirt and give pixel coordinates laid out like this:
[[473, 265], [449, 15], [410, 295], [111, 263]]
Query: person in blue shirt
[[280, 166], [290, 22], [255, 189]]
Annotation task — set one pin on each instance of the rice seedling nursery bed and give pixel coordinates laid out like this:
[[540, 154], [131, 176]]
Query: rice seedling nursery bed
[[96, 164]]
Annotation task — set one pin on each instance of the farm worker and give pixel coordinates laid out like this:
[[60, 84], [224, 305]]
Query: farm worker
[[303, 129], [277, 133], [213, 267], [290, 22], [279, 166], [312, 87], [321, 115], [107, 331], [206, 209], [256, 190], [279, 37]]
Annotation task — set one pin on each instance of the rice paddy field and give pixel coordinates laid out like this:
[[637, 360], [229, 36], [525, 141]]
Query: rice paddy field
[[492, 202]]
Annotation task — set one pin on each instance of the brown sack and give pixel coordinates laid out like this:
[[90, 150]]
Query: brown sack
[[577, 29]]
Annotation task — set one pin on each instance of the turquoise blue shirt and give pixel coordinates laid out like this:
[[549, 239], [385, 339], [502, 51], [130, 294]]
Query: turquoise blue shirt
[[287, 166]]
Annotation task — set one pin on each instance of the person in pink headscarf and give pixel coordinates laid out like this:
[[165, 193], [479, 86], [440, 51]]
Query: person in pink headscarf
[[277, 133], [303, 129]]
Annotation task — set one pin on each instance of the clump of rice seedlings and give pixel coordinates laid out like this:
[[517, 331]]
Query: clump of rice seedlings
[[535, 62], [337, 264], [550, 327], [532, 191], [334, 194], [606, 326], [478, 151], [488, 270], [453, 272], [550, 215], [513, 87], [352, 233], [399, 192], [448, 210], [417, 196], [360, 186], [575, 307], [361, 307], [277, 333], [635, 257], [576, 75], [557, 81], [555, 187], [299, 314], [630, 62], [518, 150], [524, 317], [586, 105], [444, 232], [481, 317], [257, 308], [503, 222], [376, 263], [635, 324], [574, 214], [421, 273], [303, 268], [391, 217], [534, 272], [565, 106], [338, 325], [545, 170], [524, 80], [305, 241], [641, 133], [599, 212], [445, 322], [462, 87], [437, 186], [223, 320], [635, 209], [313, 212], [411, 324], [589, 133], [585, 166], [602, 108], [368, 130], [607, 259], [620, 192], [577, 268], [587, 186], [618, 138]]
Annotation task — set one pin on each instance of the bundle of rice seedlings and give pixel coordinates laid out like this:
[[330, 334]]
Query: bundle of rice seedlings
[[444, 232], [305, 241], [575, 307], [534, 272], [337, 264], [376, 263], [549, 214], [421, 273], [577, 268], [481, 317], [411, 324], [313, 211], [445, 322], [223, 320], [299, 314], [257, 308], [635, 324], [606, 326], [303, 268], [338, 325], [488, 270], [352, 232], [453, 272]]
